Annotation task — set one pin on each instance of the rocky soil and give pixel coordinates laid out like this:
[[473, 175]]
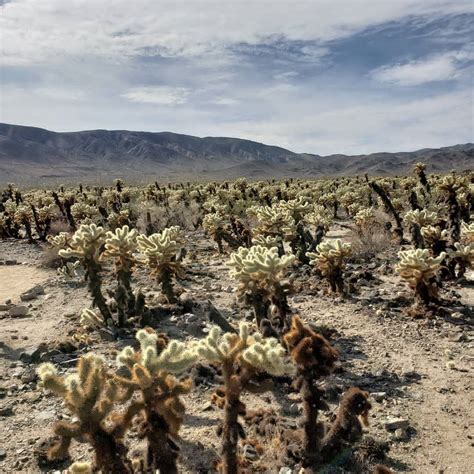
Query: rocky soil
[[418, 371]]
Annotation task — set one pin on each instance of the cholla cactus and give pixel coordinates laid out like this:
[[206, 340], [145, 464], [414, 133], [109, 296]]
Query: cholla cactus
[[467, 232], [91, 319], [83, 213], [330, 258], [217, 227], [260, 272], [274, 222], [159, 255], [60, 241], [23, 216], [149, 372], [71, 270], [435, 238], [418, 219], [314, 358], [85, 245], [119, 247], [463, 257], [419, 269], [364, 219], [267, 241], [241, 356], [80, 468], [90, 396]]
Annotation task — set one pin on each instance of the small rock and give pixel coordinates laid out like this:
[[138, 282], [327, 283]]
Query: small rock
[[3, 454], [250, 452], [186, 301], [6, 411], [401, 434], [379, 396], [18, 311], [33, 355], [285, 470], [4, 307], [393, 424]]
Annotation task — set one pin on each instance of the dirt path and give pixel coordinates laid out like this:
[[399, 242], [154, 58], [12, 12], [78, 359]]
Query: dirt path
[[17, 279]]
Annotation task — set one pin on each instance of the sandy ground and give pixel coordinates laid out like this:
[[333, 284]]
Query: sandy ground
[[401, 361]]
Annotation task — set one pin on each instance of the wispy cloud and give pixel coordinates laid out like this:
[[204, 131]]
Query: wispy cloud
[[163, 95], [441, 67], [321, 76]]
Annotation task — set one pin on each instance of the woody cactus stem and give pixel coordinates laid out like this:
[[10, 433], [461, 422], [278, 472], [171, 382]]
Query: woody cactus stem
[[346, 428], [150, 373], [389, 208], [85, 245], [241, 357], [314, 358], [90, 395]]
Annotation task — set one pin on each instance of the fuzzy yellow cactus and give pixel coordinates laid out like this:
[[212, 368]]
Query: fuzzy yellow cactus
[[330, 258], [85, 243], [241, 356], [90, 395], [60, 241], [467, 232], [365, 218], [150, 372], [463, 256], [83, 212], [80, 468], [260, 272], [319, 217], [418, 267], [435, 238], [421, 217], [158, 253], [273, 221]]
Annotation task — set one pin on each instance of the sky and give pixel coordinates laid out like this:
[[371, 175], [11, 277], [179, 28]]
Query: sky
[[320, 76]]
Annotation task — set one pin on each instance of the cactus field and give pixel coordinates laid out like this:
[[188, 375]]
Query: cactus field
[[299, 326]]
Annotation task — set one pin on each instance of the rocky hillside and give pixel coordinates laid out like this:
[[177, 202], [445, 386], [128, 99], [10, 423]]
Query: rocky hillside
[[35, 155]]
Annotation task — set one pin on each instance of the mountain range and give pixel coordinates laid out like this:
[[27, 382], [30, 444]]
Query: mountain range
[[30, 155]]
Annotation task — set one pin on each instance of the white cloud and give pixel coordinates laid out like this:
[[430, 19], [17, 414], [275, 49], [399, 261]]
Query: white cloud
[[61, 93], [442, 67], [163, 95], [48, 31], [226, 101]]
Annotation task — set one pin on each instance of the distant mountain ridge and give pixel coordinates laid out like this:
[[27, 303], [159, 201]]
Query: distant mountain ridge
[[35, 155]]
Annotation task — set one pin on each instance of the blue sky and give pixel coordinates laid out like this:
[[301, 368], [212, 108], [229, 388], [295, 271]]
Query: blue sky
[[321, 76]]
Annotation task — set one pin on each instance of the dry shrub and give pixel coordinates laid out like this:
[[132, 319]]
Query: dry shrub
[[371, 241], [58, 226], [50, 257]]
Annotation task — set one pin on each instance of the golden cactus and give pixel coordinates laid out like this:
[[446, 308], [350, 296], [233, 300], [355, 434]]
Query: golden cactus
[[419, 268], [158, 253], [90, 395], [150, 373], [330, 258], [260, 272]]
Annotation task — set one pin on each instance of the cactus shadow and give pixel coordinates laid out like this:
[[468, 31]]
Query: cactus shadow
[[196, 457], [383, 381], [349, 347], [6, 352]]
